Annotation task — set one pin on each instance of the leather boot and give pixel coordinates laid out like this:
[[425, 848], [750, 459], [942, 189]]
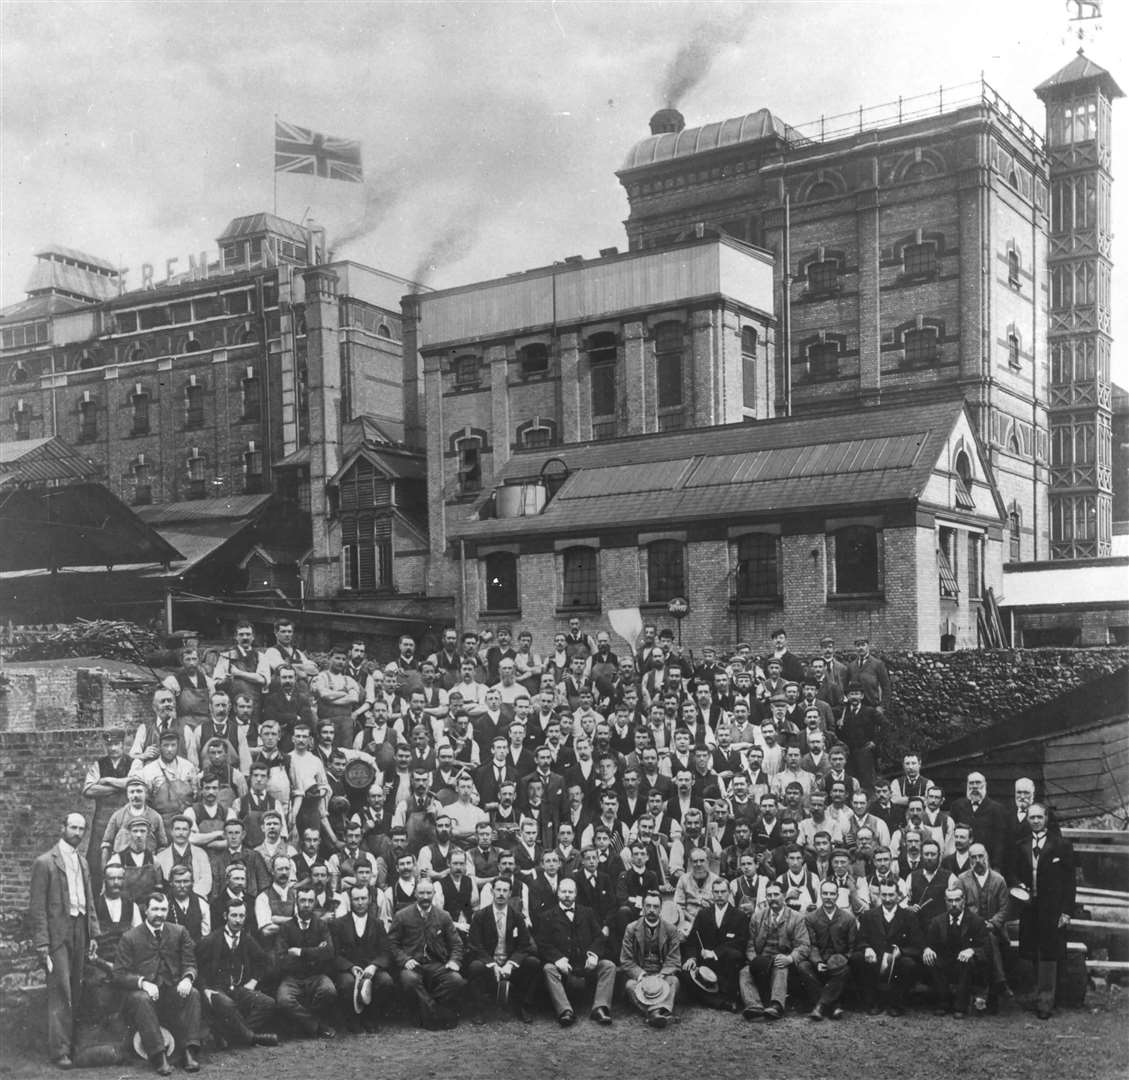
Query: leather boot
[[161, 1064], [190, 1062]]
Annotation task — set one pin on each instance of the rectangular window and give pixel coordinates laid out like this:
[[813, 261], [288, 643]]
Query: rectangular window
[[140, 414], [237, 303], [758, 567], [501, 581], [921, 347], [470, 466], [253, 472], [975, 566], [193, 405], [88, 421], [668, 365], [856, 560], [920, 260], [23, 424], [252, 403], [196, 483], [823, 277], [666, 570], [603, 391], [823, 360], [580, 586], [946, 563], [154, 316]]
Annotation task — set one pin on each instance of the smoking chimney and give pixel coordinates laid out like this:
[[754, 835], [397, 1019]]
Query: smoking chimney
[[667, 122]]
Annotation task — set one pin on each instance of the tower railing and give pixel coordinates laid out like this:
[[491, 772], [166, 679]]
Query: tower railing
[[904, 110]]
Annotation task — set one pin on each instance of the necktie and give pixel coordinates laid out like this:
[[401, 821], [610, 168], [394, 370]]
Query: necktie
[[1037, 847]]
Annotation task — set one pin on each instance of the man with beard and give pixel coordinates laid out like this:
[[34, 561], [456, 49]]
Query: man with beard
[[305, 959], [651, 947], [429, 953], [778, 941], [831, 933], [156, 966]]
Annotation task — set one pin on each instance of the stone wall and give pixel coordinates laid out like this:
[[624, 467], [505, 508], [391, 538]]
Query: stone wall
[[938, 697]]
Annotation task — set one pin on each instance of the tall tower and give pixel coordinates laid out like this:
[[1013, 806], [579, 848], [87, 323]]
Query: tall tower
[[1079, 101]]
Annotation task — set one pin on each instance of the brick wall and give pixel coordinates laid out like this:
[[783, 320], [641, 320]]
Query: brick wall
[[42, 698]]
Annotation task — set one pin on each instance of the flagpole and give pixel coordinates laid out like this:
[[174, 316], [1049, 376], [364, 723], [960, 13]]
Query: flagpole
[[274, 167]]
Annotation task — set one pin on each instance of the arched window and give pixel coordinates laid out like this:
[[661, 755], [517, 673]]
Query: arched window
[[140, 478], [252, 396], [18, 374], [758, 567], [666, 570], [533, 359], [192, 345], [962, 466], [501, 581], [856, 559], [536, 433], [823, 359], [1013, 350], [821, 189], [469, 451], [580, 585], [383, 331]]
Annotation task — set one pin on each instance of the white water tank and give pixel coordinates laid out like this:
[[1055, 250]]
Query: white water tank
[[520, 500]]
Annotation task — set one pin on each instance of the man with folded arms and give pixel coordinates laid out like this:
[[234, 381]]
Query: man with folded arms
[[232, 964], [831, 933], [501, 951], [363, 961], [572, 949], [156, 966]]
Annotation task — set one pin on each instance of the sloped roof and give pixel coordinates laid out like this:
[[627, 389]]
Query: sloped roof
[[257, 224], [76, 525], [399, 464], [776, 467], [752, 127], [228, 508], [48, 275], [39, 307], [40, 461], [76, 256], [1081, 69], [199, 540]]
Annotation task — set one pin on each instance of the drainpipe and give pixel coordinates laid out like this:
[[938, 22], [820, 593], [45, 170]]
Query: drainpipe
[[462, 584]]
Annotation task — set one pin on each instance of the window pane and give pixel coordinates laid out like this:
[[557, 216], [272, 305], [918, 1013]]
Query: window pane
[[856, 559], [823, 360], [920, 259], [579, 565], [921, 346], [501, 582], [665, 571], [757, 567], [668, 364], [603, 390]]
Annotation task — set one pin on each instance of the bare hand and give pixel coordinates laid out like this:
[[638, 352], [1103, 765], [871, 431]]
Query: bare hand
[[870, 956], [152, 990], [48, 963], [965, 955], [930, 957], [781, 960], [411, 965], [452, 965], [184, 987], [293, 951], [564, 966], [1063, 920]]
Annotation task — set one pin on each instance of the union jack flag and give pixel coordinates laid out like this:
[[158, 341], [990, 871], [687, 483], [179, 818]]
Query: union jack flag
[[299, 150]]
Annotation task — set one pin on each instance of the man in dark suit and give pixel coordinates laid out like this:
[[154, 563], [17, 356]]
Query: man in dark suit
[[429, 952], [552, 783], [986, 817], [573, 950], [156, 966], [594, 887], [490, 776], [858, 728], [501, 952], [717, 939], [363, 957], [232, 965], [831, 933], [1044, 865], [956, 954], [305, 954], [887, 957], [64, 923]]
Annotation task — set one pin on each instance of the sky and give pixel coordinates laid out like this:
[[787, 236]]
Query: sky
[[490, 132]]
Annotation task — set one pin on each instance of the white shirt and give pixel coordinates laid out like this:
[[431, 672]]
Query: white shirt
[[76, 891]]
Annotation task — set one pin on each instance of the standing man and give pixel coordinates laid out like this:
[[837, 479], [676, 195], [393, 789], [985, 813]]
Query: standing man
[[871, 673], [156, 966], [1044, 864], [105, 784], [243, 669], [192, 688], [284, 653], [986, 817], [63, 926]]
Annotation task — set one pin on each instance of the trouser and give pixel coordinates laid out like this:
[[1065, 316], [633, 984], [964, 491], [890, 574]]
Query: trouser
[[303, 999], [952, 982], [485, 981], [1046, 984], [906, 972], [433, 982], [864, 768], [382, 991], [181, 1015], [602, 977], [996, 945], [824, 988], [240, 1014], [761, 974], [666, 1002], [64, 987]]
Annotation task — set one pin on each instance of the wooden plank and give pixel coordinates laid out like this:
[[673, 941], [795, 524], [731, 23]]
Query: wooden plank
[[1107, 965], [1099, 849], [1097, 835], [1098, 924], [1106, 897]]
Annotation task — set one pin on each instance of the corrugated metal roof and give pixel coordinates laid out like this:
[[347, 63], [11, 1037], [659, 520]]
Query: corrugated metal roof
[[47, 275], [229, 508], [257, 224], [75, 255], [775, 467], [39, 307], [39, 461]]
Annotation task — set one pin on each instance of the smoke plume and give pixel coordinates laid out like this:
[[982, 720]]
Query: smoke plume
[[696, 55], [453, 243]]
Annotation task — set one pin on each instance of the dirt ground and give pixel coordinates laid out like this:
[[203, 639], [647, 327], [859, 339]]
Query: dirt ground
[[1091, 1043]]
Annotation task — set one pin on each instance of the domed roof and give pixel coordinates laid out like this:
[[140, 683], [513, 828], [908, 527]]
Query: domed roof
[[668, 146]]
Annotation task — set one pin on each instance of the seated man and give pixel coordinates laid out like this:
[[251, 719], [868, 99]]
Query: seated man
[[887, 957], [956, 955], [985, 893], [831, 933], [156, 966], [501, 953], [363, 961], [572, 948], [717, 940], [232, 964], [429, 953], [305, 953], [651, 947], [778, 940]]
